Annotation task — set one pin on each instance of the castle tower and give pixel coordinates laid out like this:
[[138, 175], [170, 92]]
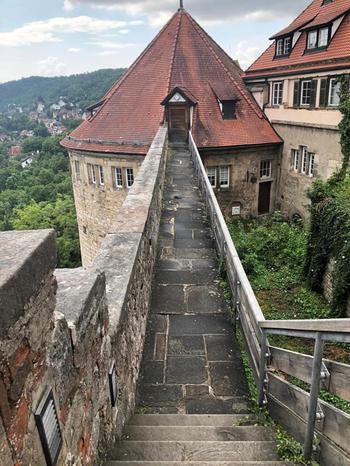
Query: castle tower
[[185, 80]]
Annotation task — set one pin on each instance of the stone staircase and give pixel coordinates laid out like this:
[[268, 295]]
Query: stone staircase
[[193, 395]]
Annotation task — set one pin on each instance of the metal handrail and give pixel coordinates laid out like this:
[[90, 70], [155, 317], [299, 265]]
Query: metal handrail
[[319, 330]]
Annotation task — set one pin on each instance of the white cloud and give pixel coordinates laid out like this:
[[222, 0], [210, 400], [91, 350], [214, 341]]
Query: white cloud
[[204, 10], [50, 30], [111, 45], [51, 66], [107, 53], [73, 50], [245, 53]]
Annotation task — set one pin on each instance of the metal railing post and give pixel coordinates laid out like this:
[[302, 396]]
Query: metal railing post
[[262, 370], [314, 394]]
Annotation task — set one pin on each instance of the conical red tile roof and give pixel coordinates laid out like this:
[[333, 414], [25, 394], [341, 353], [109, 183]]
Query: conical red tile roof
[[182, 55]]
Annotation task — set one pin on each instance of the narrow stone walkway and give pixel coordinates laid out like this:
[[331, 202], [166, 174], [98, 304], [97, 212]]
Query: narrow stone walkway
[[191, 362], [193, 407]]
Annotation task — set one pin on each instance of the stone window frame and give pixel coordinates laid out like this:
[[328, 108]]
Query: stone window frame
[[295, 160], [77, 170], [129, 177], [118, 176], [225, 177], [304, 160], [91, 169], [101, 175], [311, 164], [265, 169], [212, 177]]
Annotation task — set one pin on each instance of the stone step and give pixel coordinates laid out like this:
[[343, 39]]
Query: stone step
[[212, 420], [198, 433], [197, 463], [132, 450]]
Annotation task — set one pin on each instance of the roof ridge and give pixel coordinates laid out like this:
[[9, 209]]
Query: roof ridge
[[120, 81], [176, 39], [202, 34]]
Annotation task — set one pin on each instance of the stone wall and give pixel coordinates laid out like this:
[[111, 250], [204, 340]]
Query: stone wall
[[245, 179], [324, 142], [63, 330], [98, 204], [327, 285]]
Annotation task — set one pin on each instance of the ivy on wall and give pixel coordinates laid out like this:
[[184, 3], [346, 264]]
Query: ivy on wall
[[330, 221]]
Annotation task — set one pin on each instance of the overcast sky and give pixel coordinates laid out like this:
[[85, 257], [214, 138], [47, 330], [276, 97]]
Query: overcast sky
[[56, 37]]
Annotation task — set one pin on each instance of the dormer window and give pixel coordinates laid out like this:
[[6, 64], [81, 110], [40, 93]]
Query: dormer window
[[228, 109], [283, 46], [318, 38]]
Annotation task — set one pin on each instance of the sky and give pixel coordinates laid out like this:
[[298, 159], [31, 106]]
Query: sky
[[62, 37]]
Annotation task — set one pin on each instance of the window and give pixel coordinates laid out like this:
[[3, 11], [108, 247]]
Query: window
[[91, 173], [211, 172], [228, 109], [118, 177], [295, 160], [224, 177], [283, 46], [334, 91], [129, 177], [318, 38], [102, 175], [77, 170], [304, 157], [287, 45], [312, 40], [323, 37], [277, 93], [265, 169], [305, 98], [311, 169]]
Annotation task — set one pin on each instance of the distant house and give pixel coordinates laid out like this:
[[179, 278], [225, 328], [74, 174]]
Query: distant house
[[296, 81], [27, 133], [27, 161], [15, 151], [40, 107]]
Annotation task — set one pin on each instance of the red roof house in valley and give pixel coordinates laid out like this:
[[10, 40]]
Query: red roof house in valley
[[185, 81]]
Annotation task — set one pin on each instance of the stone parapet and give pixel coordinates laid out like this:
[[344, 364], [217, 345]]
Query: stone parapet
[[64, 329]]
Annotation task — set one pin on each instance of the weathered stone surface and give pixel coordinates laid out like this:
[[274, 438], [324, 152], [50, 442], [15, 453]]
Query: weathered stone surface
[[186, 370], [26, 259]]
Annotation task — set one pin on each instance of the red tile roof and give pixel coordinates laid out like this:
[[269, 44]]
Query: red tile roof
[[182, 55], [337, 54]]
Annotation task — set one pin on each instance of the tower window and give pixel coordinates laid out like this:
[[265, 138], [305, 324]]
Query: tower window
[[102, 175], [77, 170], [118, 177], [129, 177]]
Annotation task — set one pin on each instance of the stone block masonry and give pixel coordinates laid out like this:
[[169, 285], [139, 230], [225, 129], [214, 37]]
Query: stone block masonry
[[64, 329]]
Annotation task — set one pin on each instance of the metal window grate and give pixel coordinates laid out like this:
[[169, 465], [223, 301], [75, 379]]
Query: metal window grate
[[113, 384], [49, 428]]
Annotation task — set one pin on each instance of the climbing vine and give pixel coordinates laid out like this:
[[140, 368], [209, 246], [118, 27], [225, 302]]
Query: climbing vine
[[329, 237]]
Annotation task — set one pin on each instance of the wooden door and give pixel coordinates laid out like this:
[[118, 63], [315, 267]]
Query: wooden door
[[178, 124], [264, 197]]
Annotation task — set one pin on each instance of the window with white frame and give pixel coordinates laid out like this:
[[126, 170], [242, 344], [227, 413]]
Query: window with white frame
[[323, 35], [77, 170], [305, 94], [129, 177], [304, 160], [277, 93], [102, 175], [283, 46], [91, 173], [266, 169], [211, 172], [312, 40], [295, 160], [334, 92], [118, 177], [224, 177], [311, 163]]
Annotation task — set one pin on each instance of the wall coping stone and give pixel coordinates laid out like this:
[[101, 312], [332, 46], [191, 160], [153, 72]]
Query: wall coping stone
[[305, 125], [119, 250], [27, 257], [76, 289]]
